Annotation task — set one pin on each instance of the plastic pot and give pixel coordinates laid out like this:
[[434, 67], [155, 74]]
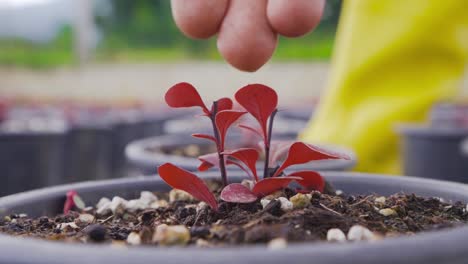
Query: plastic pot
[[88, 154], [434, 152], [283, 128], [454, 115], [130, 125], [30, 160], [438, 247], [145, 155]]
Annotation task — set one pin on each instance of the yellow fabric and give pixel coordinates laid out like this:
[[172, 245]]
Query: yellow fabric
[[392, 60]]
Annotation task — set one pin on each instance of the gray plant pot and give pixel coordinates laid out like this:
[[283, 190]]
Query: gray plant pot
[[139, 155], [434, 152], [30, 160], [439, 247]]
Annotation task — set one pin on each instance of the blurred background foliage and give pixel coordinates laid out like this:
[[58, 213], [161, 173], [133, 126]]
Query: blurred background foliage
[[143, 31]]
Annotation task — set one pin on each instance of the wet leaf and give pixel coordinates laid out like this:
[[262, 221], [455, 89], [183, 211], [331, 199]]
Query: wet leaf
[[310, 180], [300, 153], [184, 95], [184, 180], [270, 185], [260, 101], [224, 120], [237, 193]]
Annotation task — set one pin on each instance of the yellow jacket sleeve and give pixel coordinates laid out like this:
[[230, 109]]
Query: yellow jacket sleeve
[[392, 60]]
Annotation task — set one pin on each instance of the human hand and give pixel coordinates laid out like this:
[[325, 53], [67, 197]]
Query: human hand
[[247, 29]]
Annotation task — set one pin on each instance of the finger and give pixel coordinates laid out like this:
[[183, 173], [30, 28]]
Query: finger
[[294, 18], [245, 39], [199, 18]]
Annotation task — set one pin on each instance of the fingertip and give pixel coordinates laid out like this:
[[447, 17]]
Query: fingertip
[[243, 56], [199, 19], [245, 39], [294, 18]]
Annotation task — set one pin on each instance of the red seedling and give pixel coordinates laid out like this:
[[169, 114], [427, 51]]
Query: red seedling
[[261, 102], [184, 180]]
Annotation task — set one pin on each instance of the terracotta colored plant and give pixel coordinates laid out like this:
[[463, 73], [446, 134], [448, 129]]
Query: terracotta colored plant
[[260, 101]]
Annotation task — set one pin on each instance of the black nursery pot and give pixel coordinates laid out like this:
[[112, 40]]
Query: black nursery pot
[[282, 127], [30, 160], [437, 247], [146, 155], [88, 154], [130, 125], [434, 152]]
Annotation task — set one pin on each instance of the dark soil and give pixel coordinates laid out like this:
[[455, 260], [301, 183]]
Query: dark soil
[[191, 151], [249, 223]]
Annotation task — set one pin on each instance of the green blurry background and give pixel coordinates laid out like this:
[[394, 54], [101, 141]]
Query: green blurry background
[[143, 31]]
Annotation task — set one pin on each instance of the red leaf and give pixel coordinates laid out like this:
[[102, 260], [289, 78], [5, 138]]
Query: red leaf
[[270, 185], [183, 180], [248, 156], [237, 193], [69, 203], [224, 120], [231, 162], [208, 161], [260, 101], [184, 95], [204, 166], [224, 103], [204, 136], [311, 180], [300, 153]]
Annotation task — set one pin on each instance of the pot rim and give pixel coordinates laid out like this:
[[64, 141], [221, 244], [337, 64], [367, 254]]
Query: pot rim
[[137, 153], [394, 248], [421, 130]]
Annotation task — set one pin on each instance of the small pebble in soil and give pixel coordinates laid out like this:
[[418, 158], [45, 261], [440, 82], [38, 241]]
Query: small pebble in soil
[[148, 197], [103, 201], [158, 204], [118, 205], [360, 233], [380, 200], [387, 212], [136, 205], [179, 195], [86, 218], [277, 243], [336, 235], [171, 235], [201, 206], [96, 233], [199, 231], [63, 226], [274, 208], [300, 200], [264, 202], [134, 239], [248, 183], [202, 243], [286, 205]]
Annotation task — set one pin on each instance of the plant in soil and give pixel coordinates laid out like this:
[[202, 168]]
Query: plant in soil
[[272, 205]]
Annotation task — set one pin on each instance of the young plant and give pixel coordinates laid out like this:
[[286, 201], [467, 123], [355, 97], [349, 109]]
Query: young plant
[[261, 102], [221, 115]]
